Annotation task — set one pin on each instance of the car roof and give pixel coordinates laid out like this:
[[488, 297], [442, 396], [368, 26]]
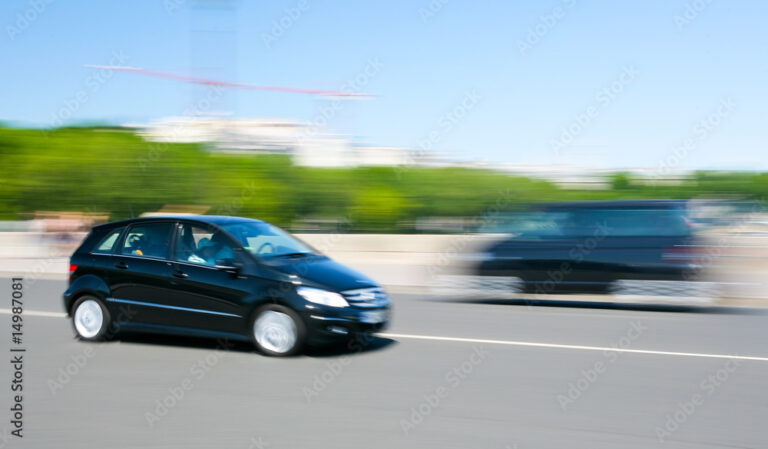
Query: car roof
[[210, 219]]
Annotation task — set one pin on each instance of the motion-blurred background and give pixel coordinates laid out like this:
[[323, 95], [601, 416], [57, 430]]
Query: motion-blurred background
[[359, 126]]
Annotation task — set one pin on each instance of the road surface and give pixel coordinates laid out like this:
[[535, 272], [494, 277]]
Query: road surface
[[448, 373]]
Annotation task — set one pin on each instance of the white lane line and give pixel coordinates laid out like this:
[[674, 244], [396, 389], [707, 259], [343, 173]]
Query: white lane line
[[36, 313], [574, 347], [497, 342]]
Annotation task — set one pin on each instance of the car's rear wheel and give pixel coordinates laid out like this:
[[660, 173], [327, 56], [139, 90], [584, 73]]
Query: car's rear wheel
[[278, 331], [90, 318]]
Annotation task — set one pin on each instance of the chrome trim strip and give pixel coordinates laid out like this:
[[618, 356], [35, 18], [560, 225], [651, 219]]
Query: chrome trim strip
[[367, 297], [162, 306], [192, 264], [134, 256], [364, 290], [381, 304], [324, 318]]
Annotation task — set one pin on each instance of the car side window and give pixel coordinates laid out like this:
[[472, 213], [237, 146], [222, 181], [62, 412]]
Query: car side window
[[107, 243], [148, 240], [198, 245]]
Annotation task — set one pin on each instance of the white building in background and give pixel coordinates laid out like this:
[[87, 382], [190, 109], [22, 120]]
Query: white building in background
[[311, 147], [575, 177], [307, 146]]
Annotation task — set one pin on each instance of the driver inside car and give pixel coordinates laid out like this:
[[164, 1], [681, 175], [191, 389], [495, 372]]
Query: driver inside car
[[138, 243], [209, 251]]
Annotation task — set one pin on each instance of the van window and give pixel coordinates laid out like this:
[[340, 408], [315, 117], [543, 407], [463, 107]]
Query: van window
[[630, 222]]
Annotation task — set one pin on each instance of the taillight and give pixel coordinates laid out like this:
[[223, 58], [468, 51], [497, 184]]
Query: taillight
[[688, 254], [72, 269]]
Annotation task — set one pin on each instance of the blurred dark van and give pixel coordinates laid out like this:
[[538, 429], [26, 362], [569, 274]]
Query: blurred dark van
[[594, 246]]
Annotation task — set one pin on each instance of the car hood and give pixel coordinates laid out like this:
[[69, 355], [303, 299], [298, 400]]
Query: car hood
[[326, 273]]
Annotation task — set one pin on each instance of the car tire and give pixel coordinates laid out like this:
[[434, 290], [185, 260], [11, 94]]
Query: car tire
[[90, 318], [277, 331]]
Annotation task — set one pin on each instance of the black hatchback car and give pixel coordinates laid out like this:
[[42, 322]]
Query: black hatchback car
[[223, 277]]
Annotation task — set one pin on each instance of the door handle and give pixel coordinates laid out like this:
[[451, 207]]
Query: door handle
[[180, 274], [121, 265]]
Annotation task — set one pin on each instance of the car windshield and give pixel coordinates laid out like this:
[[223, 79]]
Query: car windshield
[[267, 241]]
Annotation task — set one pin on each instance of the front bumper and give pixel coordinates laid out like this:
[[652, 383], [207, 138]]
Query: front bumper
[[325, 323]]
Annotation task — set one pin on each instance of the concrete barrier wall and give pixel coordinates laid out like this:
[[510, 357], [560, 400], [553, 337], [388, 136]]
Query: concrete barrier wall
[[392, 259], [401, 260], [395, 260]]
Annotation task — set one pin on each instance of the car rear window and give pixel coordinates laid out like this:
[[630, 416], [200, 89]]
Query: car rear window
[[107, 243]]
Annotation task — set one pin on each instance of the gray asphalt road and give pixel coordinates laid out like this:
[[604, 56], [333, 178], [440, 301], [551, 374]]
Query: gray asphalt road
[[404, 391]]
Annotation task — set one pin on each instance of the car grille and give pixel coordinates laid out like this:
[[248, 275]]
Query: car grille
[[366, 297]]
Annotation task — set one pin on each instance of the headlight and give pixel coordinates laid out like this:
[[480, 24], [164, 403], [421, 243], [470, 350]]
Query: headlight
[[323, 297]]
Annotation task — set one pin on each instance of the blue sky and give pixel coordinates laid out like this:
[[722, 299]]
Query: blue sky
[[674, 83]]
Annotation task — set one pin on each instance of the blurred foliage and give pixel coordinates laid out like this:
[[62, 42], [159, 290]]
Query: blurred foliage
[[378, 208], [102, 169], [621, 181]]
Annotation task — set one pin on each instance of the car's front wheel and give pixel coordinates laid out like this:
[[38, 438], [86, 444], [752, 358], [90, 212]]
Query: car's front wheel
[[278, 331], [90, 318]]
